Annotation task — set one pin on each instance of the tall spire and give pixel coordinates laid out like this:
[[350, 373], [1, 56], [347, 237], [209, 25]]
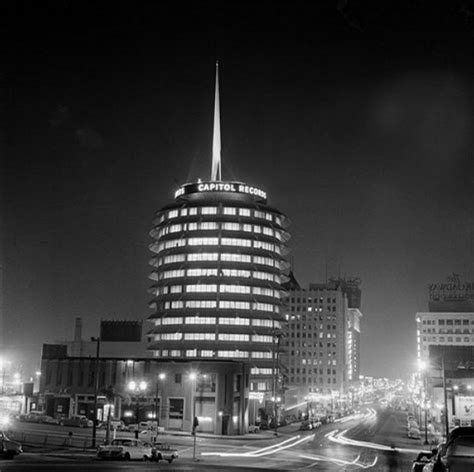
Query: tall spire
[[216, 137]]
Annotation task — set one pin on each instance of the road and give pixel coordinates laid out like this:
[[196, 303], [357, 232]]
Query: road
[[361, 442]]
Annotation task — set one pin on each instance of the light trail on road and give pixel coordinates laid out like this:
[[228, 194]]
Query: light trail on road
[[273, 449], [340, 461], [340, 438]]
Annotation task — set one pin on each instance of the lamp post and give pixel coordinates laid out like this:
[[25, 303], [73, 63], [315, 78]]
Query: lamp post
[[161, 376], [137, 388], [193, 377], [96, 389]]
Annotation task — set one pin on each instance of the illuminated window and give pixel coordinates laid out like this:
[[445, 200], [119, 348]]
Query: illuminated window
[[261, 371], [247, 228], [170, 274], [240, 354], [229, 257], [207, 225], [229, 211], [171, 244], [210, 320], [201, 272], [203, 241], [201, 288], [200, 336], [244, 212], [176, 228], [267, 231], [235, 273], [234, 321], [263, 307], [184, 212], [173, 214], [258, 338], [266, 323], [203, 256], [172, 320], [268, 292], [268, 216], [176, 304], [193, 211], [176, 288], [233, 337], [207, 353], [236, 242], [175, 353], [192, 226], [171, 336], [208, 210], [263, 276], [191, 352], [200, 303], [231, 226], [264, 245], [234, 289], [263, 260], [257, 229], [234, 305], [261, 355], [173, 258], [259, 214]]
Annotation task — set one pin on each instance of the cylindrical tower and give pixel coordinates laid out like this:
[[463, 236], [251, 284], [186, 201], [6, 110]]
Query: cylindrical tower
[[218, 264]]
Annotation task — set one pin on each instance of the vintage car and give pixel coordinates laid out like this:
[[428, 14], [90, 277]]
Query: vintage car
[[80, 421], [8, 448], [126, 449], [163, 451]]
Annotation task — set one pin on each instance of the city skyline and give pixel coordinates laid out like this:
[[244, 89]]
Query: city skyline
[[363, 143]]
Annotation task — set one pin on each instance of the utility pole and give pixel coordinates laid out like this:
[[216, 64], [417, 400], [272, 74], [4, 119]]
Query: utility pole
[[96, 390], [445, 392]]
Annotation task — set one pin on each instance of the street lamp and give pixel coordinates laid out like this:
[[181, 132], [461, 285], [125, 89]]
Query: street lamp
[[193, 376], [137, 388], [161, 376]]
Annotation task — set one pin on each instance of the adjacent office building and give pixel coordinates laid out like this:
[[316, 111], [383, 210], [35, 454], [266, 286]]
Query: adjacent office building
[[323, 339], [445, 339]]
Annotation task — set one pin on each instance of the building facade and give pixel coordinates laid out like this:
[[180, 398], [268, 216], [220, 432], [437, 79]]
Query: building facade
[[142, 389], [323, 340], [445, 339], [218, 266]]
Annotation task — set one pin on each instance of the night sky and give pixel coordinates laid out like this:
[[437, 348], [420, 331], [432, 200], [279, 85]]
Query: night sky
[[356, 120]]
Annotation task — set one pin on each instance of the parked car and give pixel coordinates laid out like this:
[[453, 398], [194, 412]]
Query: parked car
[[306, 425], [163, 451], [118, 425], [33, 416], [316, 424], [8, 448], [457, 454], [79, 421], [422, 459], [414, 433], [126, 449], [253, 428]]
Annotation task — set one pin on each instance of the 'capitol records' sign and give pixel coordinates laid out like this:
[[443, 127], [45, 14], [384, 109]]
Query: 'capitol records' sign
[[217, 186]]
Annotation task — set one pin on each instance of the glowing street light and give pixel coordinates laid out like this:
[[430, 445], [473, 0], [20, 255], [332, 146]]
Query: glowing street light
[[137, 388]]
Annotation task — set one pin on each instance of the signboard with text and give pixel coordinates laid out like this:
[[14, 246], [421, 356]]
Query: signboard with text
[[229, 187]]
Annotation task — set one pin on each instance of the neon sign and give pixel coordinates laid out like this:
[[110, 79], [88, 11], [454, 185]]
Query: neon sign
[[231, 187]]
